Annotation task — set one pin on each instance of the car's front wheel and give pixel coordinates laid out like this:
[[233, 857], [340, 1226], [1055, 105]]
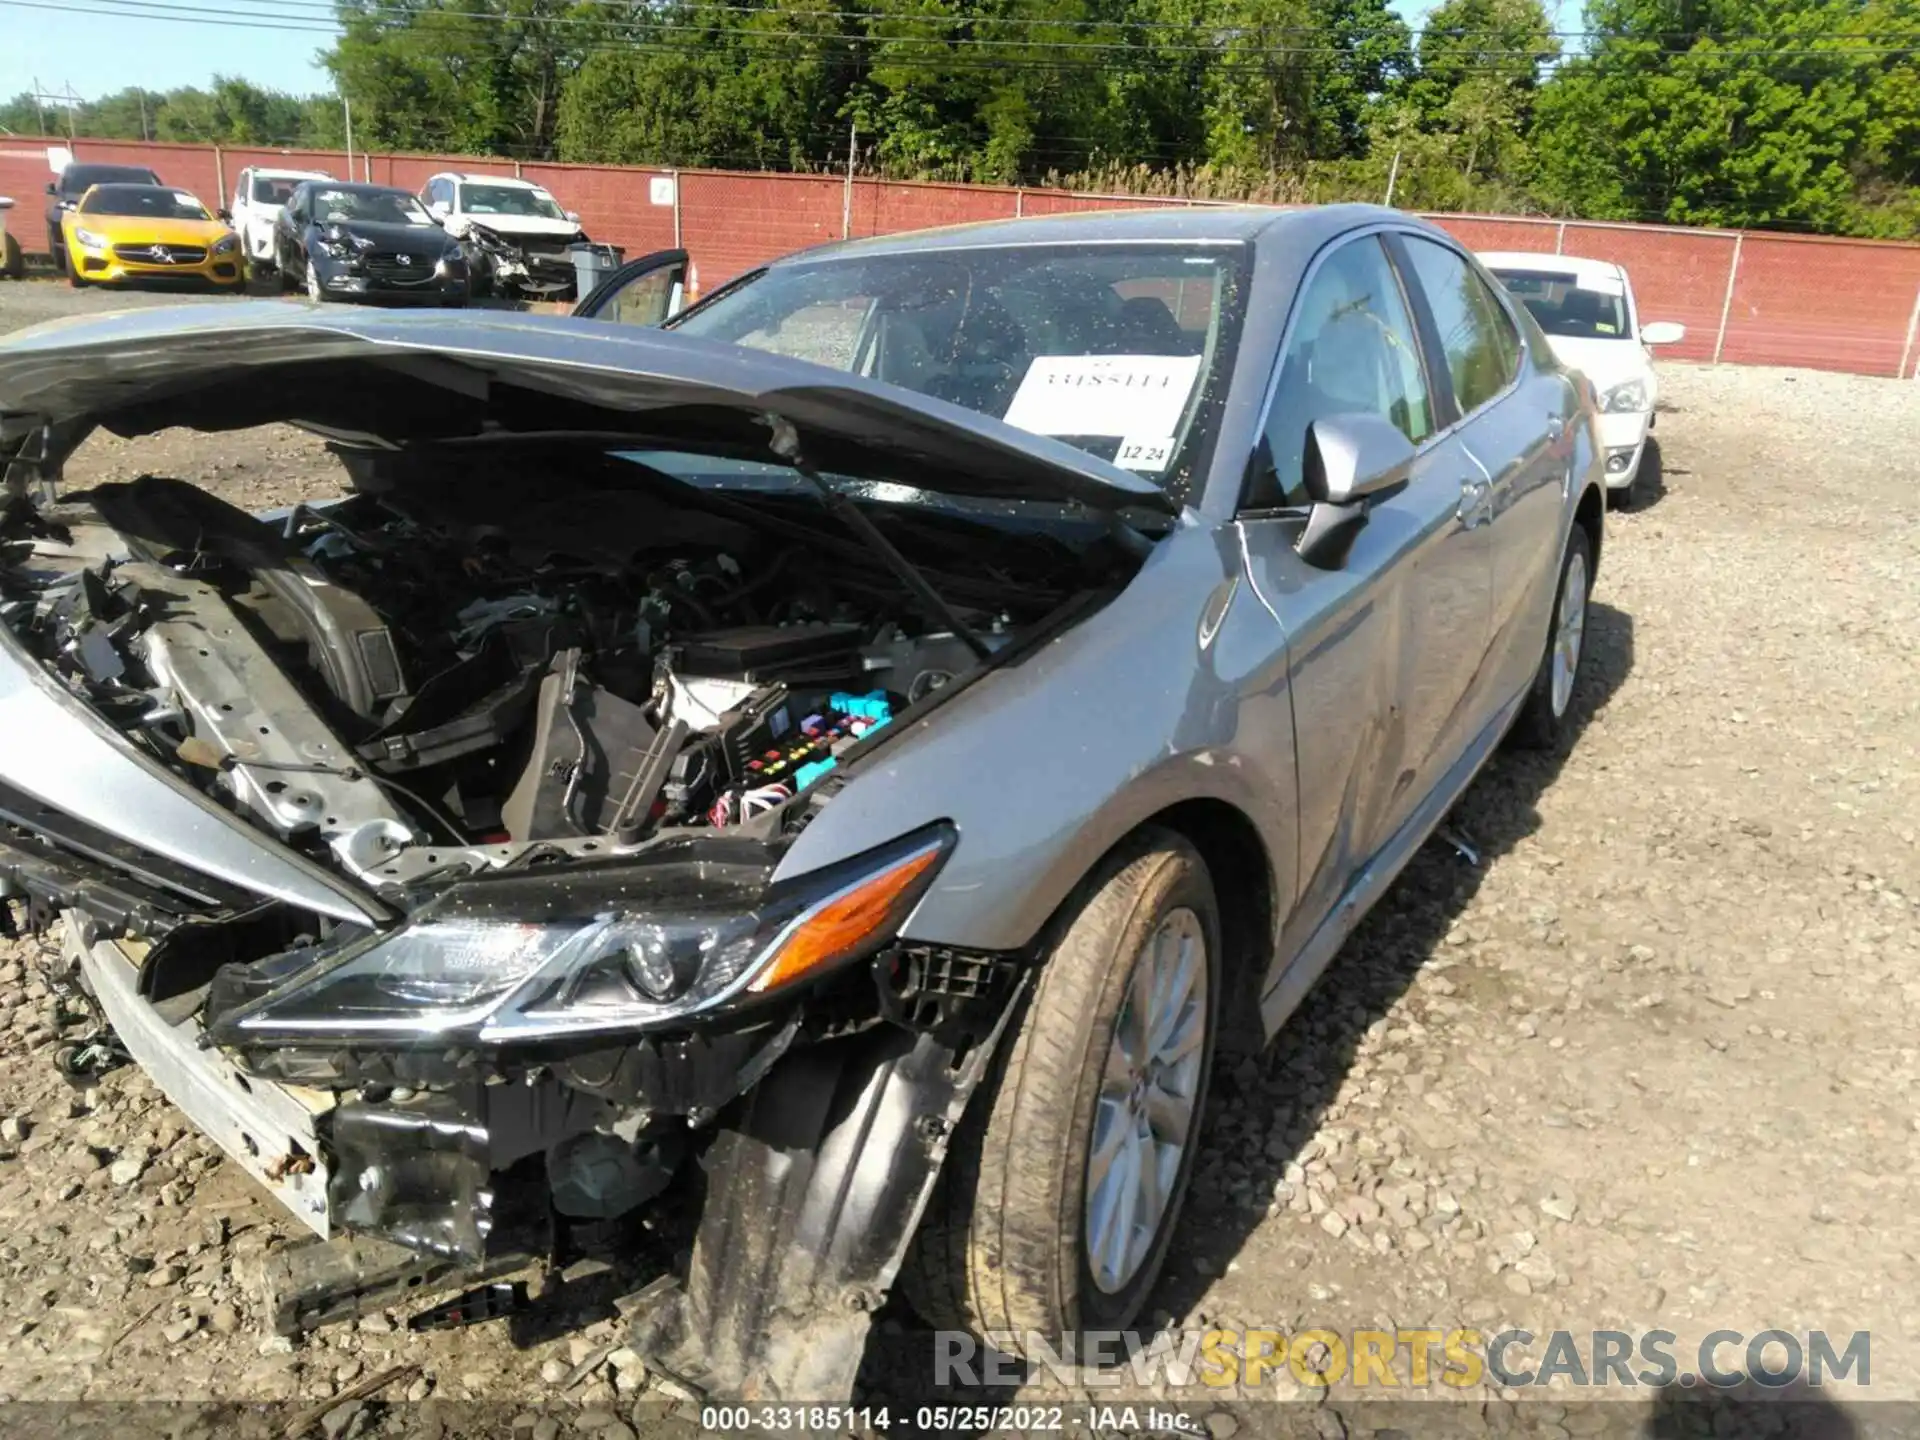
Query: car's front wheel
[[1065, 1181], [316, 292], [1542, 723]]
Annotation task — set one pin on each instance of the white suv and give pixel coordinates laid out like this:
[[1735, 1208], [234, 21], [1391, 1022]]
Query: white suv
[[515, 233], [258, 196]]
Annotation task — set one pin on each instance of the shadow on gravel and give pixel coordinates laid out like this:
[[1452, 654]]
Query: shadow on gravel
[[1794, 1412], [1650, 488], [1264, 1108]]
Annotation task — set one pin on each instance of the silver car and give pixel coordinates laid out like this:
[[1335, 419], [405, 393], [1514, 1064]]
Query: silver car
[[867, 743]]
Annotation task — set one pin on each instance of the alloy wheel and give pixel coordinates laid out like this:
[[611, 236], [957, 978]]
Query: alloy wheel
[[1572, 630], [1149, 1088]]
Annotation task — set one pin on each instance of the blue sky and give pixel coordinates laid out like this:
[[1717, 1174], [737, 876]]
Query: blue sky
[[97, 54]]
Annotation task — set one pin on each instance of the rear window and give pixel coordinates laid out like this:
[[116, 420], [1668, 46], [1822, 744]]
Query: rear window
[[1562, 306], [269, 190], [78, 179]]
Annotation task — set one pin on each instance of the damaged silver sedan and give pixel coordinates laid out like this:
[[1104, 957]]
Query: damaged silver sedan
[[689, 764]]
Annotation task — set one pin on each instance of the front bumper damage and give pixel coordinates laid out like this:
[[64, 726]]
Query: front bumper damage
[[531, 265], [809, 1180]]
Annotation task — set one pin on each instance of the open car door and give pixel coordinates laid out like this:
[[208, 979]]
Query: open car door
[[647, 291]]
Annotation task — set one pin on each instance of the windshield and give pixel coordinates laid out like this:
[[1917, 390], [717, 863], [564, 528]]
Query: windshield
[[1563, 307], [509, 200], [1117, 349], [373, 207], [268, 190], [78, 179], [149, 201]]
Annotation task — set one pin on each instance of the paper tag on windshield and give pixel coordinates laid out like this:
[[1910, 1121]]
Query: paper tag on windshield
[[1104, 395], [1149, 454], [181, 197]]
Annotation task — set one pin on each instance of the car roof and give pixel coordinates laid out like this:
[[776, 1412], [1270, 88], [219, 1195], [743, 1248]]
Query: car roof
[[273, 174], [466, 178], [1167, 224], [1582, 269], [82, 168]]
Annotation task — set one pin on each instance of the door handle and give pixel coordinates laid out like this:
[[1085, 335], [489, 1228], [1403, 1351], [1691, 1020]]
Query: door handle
[[1556, 427]]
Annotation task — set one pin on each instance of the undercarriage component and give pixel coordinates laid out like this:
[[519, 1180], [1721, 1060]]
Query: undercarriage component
[[422, 1170], [815, 1185], [307, 1286]]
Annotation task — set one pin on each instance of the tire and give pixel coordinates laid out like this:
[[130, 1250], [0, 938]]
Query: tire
[[74, 277], [1542, 723], [316, 292], [1623, 498], [57, 247], [12, 263], [1005, 1245]]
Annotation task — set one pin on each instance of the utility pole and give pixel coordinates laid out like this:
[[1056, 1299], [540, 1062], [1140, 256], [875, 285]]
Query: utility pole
[[346, 109], [72, 100], [143, 112], [39, 105], [846, 193], [1393, 174]]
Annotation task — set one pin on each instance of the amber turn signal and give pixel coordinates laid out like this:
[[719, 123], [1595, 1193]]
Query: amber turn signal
[[840, 926]]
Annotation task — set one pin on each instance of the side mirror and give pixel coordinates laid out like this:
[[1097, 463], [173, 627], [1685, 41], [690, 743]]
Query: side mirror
[[439, 209], [52, 189], [1662, 332], [225, 215], [1349, 459], [573, 217]]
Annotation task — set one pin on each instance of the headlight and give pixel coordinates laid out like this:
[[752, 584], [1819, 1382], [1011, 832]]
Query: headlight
[[336, 249], [541, 956], [1628, 395], [89, 239], [226, 244]]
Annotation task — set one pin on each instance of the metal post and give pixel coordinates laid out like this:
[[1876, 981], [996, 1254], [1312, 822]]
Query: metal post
[[219, 177], [1913, 329], [1019, 203], [1393, 175], [676, 210], [1560, 238], [846, 191], [346, 110], [1726, 305]]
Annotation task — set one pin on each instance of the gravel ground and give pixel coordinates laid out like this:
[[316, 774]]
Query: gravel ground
[[1649, 1065]]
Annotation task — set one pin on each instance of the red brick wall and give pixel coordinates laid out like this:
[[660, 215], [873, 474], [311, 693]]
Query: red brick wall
[[1833, 304]]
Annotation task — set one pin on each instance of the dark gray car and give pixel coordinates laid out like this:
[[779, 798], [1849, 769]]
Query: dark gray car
[[1007, 659]]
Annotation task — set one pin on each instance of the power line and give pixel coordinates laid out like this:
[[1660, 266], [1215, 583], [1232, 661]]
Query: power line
[[1228, 50]]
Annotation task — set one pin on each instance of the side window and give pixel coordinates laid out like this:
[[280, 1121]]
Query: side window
[[1352, 350], [1481, 344]]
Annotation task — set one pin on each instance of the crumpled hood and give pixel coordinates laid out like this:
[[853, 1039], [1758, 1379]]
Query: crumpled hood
[[520, 227], [393, 377], [1605, 362]]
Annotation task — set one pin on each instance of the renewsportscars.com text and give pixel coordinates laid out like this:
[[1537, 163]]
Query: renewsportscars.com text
[[1410, 1358]]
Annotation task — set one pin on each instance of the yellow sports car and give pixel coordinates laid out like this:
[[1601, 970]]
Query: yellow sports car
[[142, 232]]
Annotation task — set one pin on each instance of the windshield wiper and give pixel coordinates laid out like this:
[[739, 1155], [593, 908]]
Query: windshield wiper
[[785, 443]]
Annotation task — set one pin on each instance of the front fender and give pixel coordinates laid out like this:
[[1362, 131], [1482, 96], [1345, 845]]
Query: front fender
[[1175, 691]]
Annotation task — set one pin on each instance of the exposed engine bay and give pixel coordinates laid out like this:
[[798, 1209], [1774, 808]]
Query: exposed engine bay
[[442, 676]]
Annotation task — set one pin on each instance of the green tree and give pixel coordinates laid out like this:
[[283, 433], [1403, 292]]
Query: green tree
[[1713, 112]]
